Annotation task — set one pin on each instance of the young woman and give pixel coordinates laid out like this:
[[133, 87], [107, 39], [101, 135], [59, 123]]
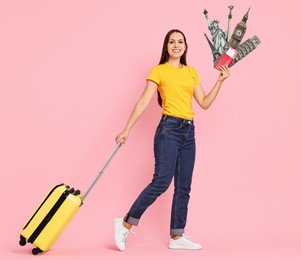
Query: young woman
[[174, 143]]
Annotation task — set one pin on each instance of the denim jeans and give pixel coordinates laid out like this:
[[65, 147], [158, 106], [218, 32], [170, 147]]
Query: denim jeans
[[174, 149]]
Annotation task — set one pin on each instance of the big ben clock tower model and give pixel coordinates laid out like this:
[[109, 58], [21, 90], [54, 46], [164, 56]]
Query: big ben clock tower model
[[239, 31]]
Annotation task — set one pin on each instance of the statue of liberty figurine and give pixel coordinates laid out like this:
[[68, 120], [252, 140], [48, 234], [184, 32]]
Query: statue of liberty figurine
[[219, 37]]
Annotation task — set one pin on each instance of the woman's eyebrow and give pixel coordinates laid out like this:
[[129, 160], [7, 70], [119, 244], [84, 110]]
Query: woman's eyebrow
[[175, 40]]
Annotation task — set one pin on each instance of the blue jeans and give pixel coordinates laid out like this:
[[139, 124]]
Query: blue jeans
[[174, 148]]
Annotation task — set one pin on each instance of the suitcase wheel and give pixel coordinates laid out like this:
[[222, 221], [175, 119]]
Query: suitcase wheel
[[22, 241], [36, 251]]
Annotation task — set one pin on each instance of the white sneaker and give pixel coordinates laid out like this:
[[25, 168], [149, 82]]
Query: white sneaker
[[121, 234], [183, 243]]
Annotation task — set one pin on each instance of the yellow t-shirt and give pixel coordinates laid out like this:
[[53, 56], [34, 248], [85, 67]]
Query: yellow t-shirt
[[176, 87]]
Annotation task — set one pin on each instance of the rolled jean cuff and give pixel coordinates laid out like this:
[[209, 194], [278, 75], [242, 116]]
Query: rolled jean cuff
[[131, 220], [177, 232]]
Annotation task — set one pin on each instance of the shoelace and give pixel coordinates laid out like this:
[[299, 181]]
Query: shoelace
[[186, 237], [126, 234]]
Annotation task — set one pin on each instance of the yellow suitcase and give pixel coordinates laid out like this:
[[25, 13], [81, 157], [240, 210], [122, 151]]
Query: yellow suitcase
[[54, 213], [51, 217]]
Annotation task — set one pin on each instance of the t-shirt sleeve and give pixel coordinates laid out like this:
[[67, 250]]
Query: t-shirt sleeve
[[154, 75], [196, 77]]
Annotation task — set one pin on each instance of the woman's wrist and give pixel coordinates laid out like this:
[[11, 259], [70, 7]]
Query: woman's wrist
[[127, 129]]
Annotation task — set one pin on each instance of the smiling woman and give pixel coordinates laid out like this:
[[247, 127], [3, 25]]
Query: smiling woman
[[174, 144]]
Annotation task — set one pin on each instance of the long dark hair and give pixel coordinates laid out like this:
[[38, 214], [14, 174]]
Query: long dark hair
[[165, 56]]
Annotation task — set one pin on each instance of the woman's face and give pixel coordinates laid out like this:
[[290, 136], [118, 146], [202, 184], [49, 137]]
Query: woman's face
[[176, 45]]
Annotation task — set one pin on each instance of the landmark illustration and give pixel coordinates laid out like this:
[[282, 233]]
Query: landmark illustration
[[220, 39]]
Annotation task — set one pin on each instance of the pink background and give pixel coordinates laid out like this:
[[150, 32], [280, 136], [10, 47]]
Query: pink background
[[70, 73]]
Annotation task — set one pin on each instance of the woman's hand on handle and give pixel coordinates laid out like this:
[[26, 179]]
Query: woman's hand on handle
[[122, 137]]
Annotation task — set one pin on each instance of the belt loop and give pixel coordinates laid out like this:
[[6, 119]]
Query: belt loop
[[164, 117]]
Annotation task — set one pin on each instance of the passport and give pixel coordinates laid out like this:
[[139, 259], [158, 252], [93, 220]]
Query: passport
[[226, 58]]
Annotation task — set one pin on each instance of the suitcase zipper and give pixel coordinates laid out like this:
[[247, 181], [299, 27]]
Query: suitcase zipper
[[49, 194], [48, 217]]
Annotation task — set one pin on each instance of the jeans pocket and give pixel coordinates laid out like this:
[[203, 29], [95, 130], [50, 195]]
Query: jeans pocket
[[173, 125]]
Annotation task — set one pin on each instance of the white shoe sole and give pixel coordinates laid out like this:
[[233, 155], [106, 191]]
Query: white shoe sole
[[183, 248]]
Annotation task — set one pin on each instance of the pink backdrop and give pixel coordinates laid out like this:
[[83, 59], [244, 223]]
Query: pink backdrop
[[70, 73]]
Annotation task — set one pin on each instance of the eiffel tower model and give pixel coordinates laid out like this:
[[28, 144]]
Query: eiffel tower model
[[216, 55]]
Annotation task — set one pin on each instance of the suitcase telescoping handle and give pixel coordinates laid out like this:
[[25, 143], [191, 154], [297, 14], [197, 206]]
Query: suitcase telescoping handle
[[101, 171]]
